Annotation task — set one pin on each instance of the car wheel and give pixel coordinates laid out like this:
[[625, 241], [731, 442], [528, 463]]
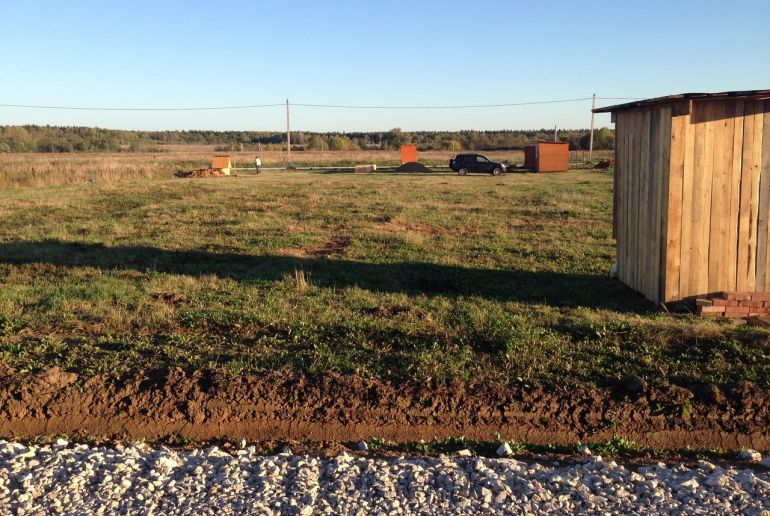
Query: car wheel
[[497, 171], [462, 172]]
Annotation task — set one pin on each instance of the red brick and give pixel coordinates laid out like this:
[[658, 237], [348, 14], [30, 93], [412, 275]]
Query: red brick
[[743, 296], [711, 310], [760, 296], [719, 301], [736, 310], [752, 304]]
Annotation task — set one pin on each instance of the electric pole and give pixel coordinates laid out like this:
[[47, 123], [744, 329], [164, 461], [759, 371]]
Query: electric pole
[[555, 134], [591, 138], [288, 136]]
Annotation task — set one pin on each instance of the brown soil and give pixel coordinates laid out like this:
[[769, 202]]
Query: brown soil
[[202, 172], [335, 246], [347, 408], [413, 166]]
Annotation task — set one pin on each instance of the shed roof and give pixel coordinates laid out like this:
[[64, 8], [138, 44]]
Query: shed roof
[[221, 162], [747, 94]]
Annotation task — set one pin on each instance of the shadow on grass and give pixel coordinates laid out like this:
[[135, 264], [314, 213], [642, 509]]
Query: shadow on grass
[[549, 288]]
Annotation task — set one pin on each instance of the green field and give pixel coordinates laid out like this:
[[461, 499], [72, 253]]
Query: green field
[[433, 277]]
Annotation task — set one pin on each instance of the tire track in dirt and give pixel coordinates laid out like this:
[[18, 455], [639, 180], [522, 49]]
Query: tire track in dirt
[[200, 407]]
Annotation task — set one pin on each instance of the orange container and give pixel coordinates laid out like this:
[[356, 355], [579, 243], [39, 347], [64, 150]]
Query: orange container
[[408, 153]]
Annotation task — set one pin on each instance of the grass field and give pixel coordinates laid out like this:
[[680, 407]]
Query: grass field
[[393, 276]]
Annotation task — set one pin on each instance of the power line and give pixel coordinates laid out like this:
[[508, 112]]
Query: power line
[[469, 106], [332, 106], [81, 108]]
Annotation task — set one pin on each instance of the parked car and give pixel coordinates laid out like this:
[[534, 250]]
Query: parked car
[[465, 163]]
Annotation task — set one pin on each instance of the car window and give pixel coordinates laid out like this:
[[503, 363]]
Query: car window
[[482, 159]]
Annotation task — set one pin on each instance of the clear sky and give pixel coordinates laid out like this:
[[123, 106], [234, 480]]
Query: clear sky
[[146, 53]]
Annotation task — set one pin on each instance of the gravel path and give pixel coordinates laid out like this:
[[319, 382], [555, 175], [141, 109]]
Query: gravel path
[[81, 479]]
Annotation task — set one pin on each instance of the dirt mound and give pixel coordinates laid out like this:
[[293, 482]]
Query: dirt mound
[[202, 172], [413, 166], [347, 408], [604, 164]]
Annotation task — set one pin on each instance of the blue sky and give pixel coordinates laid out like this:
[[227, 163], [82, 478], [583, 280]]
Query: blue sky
[[194, 53]]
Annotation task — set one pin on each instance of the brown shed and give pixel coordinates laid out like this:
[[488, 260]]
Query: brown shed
[[692, 193], [547, 157], [222, 162]]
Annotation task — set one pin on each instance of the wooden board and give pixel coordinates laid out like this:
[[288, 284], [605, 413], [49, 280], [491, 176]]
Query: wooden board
[[635, 167], [621, 197], [735, 196], [673, 208], [753, 156], [749, 274], [620, 152], [643, 223], [719, 214], [688, 173], [629, 118], [661, 201], [765, 173], [701, 201], [653, 178]]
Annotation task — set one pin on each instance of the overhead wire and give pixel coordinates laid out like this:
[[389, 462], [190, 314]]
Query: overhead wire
[[93, 108], [302, 104]]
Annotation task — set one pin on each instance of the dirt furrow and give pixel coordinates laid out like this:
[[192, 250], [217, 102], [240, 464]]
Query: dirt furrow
[[347, 408]]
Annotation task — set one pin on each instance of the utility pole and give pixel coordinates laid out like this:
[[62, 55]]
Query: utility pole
[[555, 134], [288, 136], [591, 138]]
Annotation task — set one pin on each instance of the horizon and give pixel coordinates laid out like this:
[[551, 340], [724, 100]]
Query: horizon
[[523, 130], [176, 55]]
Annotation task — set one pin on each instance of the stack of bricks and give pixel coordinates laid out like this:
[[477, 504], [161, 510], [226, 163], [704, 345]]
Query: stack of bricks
[[734, 304]]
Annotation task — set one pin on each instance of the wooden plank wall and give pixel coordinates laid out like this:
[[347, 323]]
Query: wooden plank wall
[[693, 198], [643, 149]]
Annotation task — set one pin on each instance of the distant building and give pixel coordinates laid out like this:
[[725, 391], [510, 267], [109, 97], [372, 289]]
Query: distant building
[[547, 157], [223, 163]]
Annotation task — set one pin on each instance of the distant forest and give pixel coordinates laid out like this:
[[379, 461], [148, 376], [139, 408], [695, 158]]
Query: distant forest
[[34, 138]]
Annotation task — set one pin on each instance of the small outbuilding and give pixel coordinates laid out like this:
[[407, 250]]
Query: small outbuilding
[[692, 194], [547, 157], [222, 162], [408, 154]]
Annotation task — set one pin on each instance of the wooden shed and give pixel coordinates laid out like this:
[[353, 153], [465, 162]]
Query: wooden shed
[[222, 162], [547, 157], [692, 193], [408, 154]]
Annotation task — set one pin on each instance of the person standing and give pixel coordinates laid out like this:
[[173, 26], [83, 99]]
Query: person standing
[[257, 164]]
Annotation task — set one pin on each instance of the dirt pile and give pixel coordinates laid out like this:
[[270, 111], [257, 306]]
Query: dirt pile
[[201, 407], [413, 167], [604, 164], [202, 172]]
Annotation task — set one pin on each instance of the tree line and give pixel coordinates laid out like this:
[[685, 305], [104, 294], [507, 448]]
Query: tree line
[[36, 138]]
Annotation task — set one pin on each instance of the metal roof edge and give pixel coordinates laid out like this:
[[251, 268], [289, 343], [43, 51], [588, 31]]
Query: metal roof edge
[[759, 94]]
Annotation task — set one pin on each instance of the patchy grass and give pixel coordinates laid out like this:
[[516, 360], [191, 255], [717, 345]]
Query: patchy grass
[[433, 277]]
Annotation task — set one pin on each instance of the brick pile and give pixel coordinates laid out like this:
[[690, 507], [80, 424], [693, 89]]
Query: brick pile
[[734, 304]]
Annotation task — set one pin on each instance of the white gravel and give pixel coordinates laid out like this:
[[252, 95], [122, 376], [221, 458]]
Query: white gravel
[[98, 480]]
